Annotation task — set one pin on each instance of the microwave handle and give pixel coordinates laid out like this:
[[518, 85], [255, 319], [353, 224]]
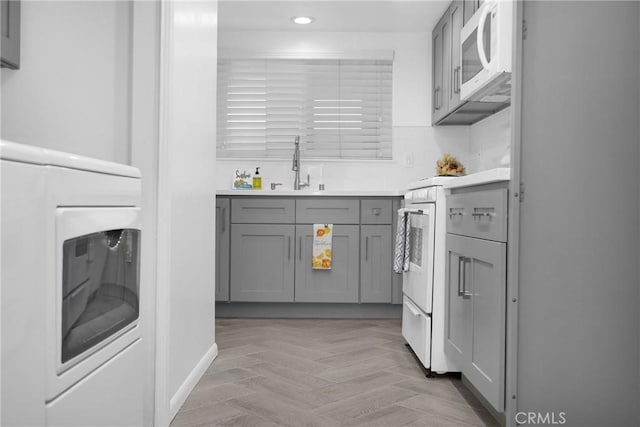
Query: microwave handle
[[483, 17]]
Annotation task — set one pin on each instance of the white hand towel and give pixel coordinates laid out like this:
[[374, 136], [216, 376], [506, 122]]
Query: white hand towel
[[322, 256]]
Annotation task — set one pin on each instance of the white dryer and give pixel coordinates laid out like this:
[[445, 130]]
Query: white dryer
[[71, 340]]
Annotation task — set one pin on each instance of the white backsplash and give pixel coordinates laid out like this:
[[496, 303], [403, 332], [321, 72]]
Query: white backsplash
[[415, 151], [490, 142]]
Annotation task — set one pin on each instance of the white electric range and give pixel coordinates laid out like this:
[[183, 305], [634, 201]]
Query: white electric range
[[423, 310]]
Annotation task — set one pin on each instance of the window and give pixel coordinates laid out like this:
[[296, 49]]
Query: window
[[341, 108]]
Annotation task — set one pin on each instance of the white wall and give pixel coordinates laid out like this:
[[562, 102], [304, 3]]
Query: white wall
[[186, 202], [490, 142], [72, 90], [413, 136], [578, 341]]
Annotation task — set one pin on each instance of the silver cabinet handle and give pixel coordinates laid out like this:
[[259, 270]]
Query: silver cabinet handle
[[456, 80], [464, 277], [480, 215], [460, 268], [376, 211], [452, 214], [300, 248], [366, 248], [289, 250], [435, 96], [224, 219]]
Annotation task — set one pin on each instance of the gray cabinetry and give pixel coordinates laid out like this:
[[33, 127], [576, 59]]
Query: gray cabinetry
[[266, 245], [476, 287], [375, 264], [470, 7], [222, 249], [438, 98], [328, 211], [262, 262], [455, 79], [10, 46], [340, 283], [263, 211]]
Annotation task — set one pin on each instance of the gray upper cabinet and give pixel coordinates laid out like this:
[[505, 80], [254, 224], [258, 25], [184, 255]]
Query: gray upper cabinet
[[470, 7], [262, 262], [438, 98], [263, 211], [340, 284], [222, 249], [10, 45], [375, 265], [455, 79]]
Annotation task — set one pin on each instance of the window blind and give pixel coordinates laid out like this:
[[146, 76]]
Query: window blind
[[341, 108]]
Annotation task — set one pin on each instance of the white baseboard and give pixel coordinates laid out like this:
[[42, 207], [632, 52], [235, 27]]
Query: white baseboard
[[192, 379]]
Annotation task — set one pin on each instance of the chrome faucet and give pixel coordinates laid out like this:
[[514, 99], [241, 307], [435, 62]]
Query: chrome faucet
[[297, 184]]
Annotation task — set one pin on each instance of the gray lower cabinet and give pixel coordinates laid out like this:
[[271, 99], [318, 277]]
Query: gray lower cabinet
[[375, 263], [223, 233], [475, 326], [340, 284], [262, 262], [10, 44]]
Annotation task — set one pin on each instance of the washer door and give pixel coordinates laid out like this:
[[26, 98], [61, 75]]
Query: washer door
[[94, 304], [418, 281]]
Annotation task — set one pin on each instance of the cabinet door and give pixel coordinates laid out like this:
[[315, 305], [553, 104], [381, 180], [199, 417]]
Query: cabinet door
[[458, 313], [340, 284], [475, 327], [436, 72], [485, 281], [10, 45], [375, 265], [222, 249], [455, 24], [262, 261], [470, 7]]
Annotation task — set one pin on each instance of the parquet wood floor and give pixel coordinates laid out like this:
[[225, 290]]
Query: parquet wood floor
[[323, 372]]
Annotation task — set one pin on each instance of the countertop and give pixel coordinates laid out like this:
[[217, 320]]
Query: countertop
[[309, 193], [484, 177]]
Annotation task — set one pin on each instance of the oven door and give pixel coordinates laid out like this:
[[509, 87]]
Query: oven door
[[95, 304], [418, 281]]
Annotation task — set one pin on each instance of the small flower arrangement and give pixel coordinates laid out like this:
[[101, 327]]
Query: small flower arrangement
[[449, 166]]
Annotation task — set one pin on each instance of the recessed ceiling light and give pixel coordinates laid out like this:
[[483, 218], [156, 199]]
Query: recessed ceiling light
[[302, 20]]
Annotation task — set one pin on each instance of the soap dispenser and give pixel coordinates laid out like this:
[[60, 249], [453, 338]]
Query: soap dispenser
[[257, 180]]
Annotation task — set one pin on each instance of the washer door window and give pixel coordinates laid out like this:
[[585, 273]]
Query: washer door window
[[97, 287], [100, 288]]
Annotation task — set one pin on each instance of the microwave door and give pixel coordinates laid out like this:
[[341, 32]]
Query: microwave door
[[477, 51]]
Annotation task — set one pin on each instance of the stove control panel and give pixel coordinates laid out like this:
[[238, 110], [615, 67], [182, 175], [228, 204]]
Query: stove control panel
[[421, 195]]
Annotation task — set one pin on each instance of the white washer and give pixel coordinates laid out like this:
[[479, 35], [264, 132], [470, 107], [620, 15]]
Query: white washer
[[71, 337]]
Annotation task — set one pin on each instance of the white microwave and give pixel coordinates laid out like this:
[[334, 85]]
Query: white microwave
[[486, 44]]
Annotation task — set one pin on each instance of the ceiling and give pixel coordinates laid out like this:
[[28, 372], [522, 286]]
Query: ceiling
[[331, 15]]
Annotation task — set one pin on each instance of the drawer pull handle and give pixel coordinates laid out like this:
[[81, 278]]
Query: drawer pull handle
[[413, 310], [376, 211], [454, 214], [480, 215]]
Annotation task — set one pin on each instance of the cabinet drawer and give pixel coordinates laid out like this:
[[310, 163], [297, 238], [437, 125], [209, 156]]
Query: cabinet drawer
[[328, 211], [263, 211], [481, 214], [416, 330], [376, 211]]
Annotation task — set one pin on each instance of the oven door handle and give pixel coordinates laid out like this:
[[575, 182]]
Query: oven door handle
[[414, 211]]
